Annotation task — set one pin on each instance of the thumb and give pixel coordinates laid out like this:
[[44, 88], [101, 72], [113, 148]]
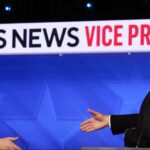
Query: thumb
[[94, 113], [13, 138]]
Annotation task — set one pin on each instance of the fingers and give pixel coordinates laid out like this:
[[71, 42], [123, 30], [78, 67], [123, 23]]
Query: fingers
[[82, 127], [15, 147], [88, 128], [89, 125], [86, 122], [92, 112], [12, 138]]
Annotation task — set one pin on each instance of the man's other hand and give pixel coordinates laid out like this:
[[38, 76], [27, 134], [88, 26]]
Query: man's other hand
[[7, 143]]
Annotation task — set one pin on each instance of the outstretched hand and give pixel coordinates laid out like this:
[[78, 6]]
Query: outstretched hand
[[98, 121], [7, 143]]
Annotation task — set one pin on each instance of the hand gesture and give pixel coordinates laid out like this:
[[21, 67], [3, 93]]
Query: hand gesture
[[7, 143], [98, 121]]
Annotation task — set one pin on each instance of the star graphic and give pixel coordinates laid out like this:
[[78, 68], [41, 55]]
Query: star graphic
[[131, 90], [45, 131]]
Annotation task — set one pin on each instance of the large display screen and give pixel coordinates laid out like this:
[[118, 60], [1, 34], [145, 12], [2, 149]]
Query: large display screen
[[72, 66], [75, 37], [44, 98]]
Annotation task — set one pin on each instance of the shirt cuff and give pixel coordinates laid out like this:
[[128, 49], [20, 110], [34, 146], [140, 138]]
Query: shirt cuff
[[109, 121]]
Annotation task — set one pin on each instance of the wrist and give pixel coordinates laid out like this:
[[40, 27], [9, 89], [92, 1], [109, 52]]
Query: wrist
[[107, 119]]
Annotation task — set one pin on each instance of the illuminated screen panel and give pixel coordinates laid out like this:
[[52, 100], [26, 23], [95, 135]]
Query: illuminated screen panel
[[44, 98], [95, 64], [75, 37]]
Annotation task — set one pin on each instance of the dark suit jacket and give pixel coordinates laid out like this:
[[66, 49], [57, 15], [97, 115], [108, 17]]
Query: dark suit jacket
[[136, 127]]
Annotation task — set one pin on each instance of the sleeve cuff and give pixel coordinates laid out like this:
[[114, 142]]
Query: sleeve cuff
[[109, 121]]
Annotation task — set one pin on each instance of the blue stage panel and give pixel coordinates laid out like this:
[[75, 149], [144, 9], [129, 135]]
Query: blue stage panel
[[44, 98]]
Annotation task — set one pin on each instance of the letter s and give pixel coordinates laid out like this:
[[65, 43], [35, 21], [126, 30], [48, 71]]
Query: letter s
[[2, 40], [73, 37]]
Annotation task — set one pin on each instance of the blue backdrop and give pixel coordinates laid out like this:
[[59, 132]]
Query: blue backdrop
[[43, 99]]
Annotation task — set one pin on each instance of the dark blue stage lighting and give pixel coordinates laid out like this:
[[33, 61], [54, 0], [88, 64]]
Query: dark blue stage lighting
[[89, 5], [8, 8]]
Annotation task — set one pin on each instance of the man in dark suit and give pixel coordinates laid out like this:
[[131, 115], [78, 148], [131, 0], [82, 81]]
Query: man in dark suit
[[136, 127]]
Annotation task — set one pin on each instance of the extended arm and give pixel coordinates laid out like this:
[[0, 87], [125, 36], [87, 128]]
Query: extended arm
[[119, 123]]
